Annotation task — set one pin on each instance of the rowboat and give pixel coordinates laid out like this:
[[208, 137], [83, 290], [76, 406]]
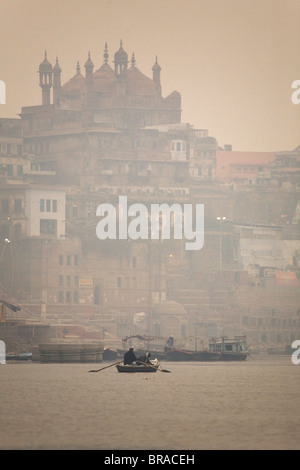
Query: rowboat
[[137, 368]]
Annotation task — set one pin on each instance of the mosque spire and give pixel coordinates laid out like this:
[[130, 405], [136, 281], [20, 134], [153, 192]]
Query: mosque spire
[[133, 60], [156, 69], [105, 55], [89, 67]]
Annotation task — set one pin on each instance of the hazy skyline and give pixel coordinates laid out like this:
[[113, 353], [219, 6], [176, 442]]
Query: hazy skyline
[[233, 61]]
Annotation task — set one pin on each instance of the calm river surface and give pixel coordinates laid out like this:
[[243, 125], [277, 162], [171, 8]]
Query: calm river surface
[[248, 405]]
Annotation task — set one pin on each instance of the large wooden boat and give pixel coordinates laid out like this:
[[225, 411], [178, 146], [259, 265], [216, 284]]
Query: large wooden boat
[[187, 355], [220, 349]]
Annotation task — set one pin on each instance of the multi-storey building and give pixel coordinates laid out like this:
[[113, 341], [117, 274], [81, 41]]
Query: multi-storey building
[[110, 132]]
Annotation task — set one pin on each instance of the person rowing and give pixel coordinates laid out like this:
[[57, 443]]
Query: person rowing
[[142, 360], [129, 357]]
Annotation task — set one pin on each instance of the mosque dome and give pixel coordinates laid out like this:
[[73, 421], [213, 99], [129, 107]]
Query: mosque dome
[[76, 86], [138, 84], [45, 66], [121, 55]]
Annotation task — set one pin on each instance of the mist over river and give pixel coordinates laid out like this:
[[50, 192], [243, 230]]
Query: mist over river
[[235, 405]]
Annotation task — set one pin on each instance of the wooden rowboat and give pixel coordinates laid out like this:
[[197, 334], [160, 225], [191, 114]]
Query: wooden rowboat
[[135, 368]]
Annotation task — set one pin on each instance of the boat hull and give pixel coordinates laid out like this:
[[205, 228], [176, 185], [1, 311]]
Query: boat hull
[[242, 356], [131, 368], [204, 356]]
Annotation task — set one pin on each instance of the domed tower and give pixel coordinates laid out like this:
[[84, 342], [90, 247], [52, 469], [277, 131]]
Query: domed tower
[[56, 83], [45, 71], [121, 61], [89, 66], [156, 76]]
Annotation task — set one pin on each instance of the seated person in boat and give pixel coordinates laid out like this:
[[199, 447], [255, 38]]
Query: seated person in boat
[[129, 357], [144, 359]]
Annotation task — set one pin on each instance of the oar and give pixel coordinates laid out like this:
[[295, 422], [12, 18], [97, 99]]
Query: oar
[[149, 365], [98, 370]]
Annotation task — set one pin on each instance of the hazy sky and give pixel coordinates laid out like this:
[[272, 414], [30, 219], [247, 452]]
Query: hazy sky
[[233, 61]]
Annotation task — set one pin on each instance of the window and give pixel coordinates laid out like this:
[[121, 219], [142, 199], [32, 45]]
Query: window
[[5, 206], [4, 232], [68, 260], [68, 297], [60, 296], [134, 262], [48, 205], [76, 260], [76, 282], [48, 227], [18, 205], [42, 205], [68, 280], [19, 170], [119, 282], [54, 205], [75, 297], [61, 259], [61, 280]]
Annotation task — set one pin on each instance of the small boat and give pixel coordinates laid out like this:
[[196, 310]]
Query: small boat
[[138, 368], [19, 356]]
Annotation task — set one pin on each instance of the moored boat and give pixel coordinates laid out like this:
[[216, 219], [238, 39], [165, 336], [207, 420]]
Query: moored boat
[[220, 349], [19, 356], [187, 355]]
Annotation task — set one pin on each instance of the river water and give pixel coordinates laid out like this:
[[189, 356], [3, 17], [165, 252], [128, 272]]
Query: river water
[[240, 405]]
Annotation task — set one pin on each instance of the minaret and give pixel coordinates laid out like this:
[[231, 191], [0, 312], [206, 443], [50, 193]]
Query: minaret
[[133, 60], [89, 66], [105, 55], [56, 83], [156, 76], [121, 61], [45, 71]]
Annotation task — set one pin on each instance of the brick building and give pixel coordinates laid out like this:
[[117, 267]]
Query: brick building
[[110, 132]]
